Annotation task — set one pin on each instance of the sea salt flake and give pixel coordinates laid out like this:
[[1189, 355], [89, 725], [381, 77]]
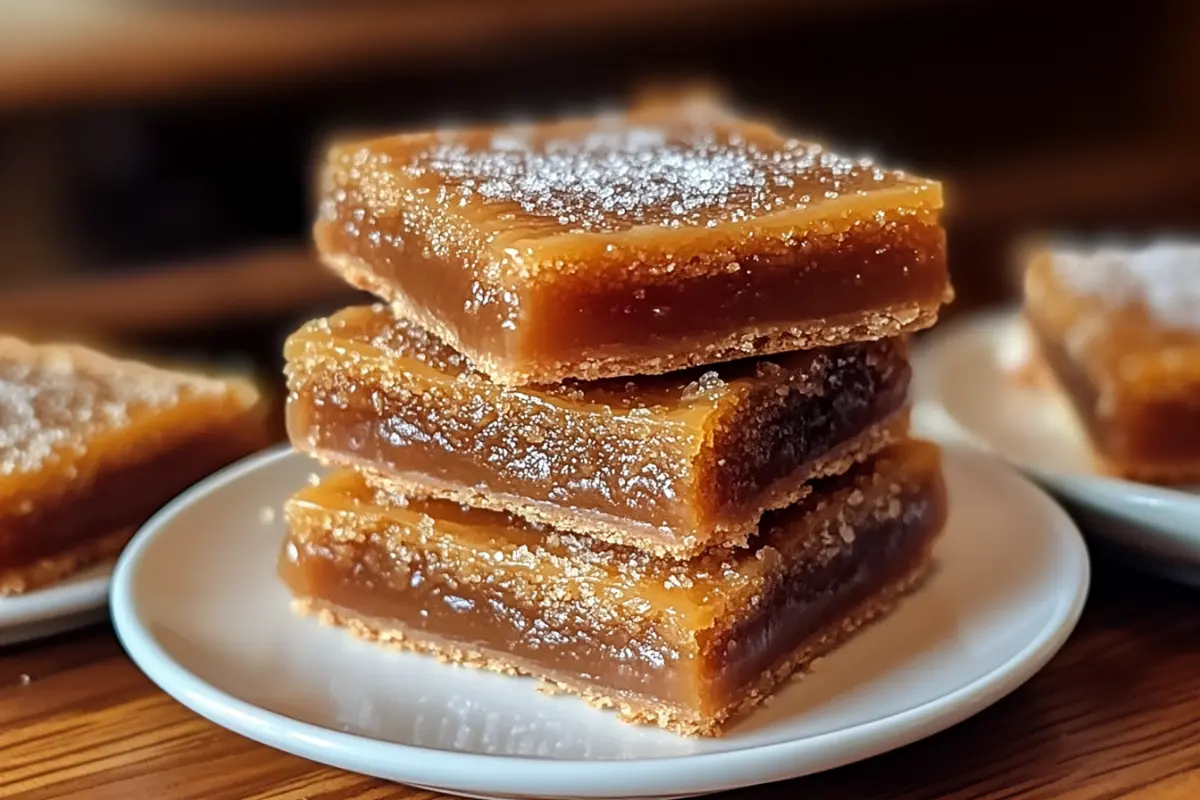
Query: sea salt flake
[[627, 174]]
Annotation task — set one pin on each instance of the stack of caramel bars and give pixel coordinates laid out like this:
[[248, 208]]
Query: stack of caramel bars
[[634, 417]]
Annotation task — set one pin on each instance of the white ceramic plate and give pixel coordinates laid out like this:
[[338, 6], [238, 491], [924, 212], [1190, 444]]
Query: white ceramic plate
[[196, 603], [966, 392], [73, 603]]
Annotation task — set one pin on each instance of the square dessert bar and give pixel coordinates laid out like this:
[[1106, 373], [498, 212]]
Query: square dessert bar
[[91, 446], [1120, 331], [682, 644], [666, 238], [670, 463]]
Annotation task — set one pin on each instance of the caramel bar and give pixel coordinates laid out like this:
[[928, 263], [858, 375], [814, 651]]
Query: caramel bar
[[91, 446], [670, 237], [671, 463], [1120, 331], [682, 644]]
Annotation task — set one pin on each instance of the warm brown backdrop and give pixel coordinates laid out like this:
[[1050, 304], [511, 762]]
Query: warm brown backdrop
[[154, 163], [155, 156]]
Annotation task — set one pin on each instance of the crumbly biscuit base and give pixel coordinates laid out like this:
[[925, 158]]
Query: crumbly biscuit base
[[726, 533], [637, 710], [50, 569], [880, 323]]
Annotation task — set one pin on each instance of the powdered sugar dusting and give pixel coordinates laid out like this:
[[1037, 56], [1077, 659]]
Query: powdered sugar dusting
[[1163, 278], [54, 401], [620, 174]]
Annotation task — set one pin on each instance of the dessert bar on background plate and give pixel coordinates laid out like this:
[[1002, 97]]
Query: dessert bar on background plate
[[672, 463], [1120, 331], [90, 446], [683, 644], [637, 244]]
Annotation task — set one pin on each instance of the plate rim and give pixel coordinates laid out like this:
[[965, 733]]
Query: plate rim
[[593, 778], [61, 600]]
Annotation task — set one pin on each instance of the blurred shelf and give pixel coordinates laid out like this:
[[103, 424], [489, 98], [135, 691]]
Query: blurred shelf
[[62, 51], [1068, 186], [172, 298]]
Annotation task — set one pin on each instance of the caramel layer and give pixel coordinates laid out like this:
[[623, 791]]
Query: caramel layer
[[635, 245], [673, 463], [683, 644]]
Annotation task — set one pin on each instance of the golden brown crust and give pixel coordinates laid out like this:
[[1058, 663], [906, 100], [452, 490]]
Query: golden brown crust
[[630, 709], [51, 569], [880, 323], [732, 533]]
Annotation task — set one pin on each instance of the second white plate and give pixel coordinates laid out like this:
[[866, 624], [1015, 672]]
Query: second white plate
[[198, 606], [966, 391]]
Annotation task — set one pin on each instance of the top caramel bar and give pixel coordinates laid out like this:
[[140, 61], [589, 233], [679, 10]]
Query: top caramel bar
[[664, 238]]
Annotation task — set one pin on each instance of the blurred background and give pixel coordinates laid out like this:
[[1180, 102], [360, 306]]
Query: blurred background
[[155, 157]]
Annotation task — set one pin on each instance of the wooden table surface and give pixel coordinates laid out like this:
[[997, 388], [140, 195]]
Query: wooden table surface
[[1115, 715]]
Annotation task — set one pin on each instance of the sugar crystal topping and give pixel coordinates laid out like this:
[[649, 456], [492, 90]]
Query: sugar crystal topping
[[1164, 279], [52, 403], [618, 174]]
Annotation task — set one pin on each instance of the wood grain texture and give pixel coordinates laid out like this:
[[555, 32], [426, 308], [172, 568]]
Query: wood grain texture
[[1115, 715]]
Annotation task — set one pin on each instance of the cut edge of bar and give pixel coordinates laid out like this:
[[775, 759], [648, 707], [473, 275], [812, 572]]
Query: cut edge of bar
[[1058, 363], [1160, 473], [891, 429], [867, 443]]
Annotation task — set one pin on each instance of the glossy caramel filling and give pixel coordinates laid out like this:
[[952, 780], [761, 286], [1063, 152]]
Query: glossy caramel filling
[[697, 638], [836, 278], [675, 462]]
